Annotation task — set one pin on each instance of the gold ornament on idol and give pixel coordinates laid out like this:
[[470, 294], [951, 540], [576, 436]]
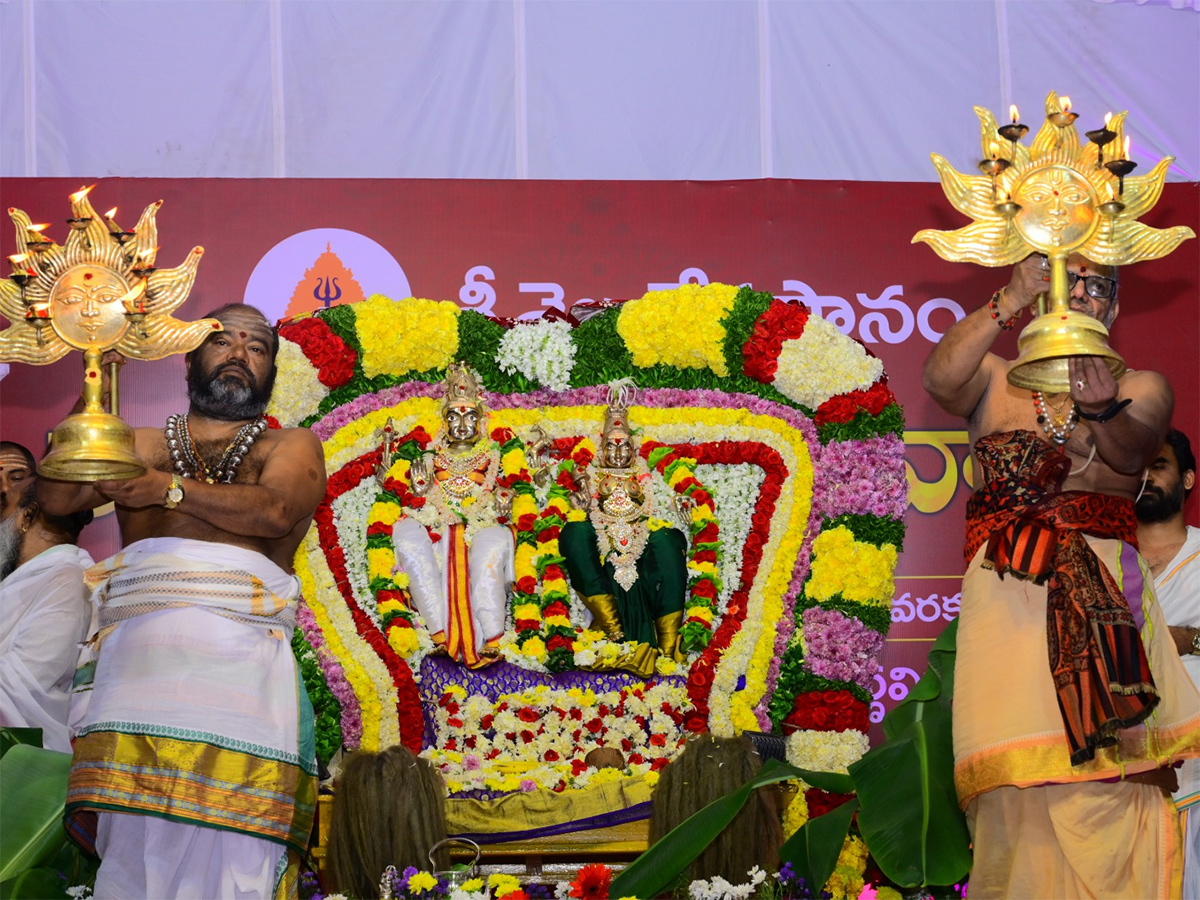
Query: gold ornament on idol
[[622, 509], [100, 291], [1054, 197], [459, 474]]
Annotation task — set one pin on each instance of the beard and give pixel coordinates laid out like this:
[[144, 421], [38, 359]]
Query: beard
[[1158, 506], [228, 399], [11, 540]]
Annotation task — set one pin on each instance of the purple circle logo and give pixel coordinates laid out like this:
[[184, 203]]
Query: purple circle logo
[[320, 268]]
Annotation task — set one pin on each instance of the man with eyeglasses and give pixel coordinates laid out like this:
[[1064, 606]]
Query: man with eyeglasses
[[1064, 735]]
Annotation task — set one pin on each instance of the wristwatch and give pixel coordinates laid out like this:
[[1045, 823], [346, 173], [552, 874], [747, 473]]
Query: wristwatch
[[1196, 642], [174, 494]]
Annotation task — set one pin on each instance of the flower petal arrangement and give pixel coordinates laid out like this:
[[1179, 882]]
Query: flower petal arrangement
[[772, 444]]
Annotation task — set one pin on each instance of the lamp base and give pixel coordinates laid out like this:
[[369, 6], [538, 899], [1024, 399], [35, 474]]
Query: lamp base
[[1047, 344], [92, 446]]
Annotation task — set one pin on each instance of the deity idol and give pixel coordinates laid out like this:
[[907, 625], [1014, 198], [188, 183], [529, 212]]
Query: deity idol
[[458, 558], [631, 578]]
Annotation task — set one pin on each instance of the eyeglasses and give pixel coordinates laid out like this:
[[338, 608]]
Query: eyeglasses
[[1096, 286]]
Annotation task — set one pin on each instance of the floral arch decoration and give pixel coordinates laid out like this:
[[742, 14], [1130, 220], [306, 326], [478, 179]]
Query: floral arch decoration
[[781, 432]]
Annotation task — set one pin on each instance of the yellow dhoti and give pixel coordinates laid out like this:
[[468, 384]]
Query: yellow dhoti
[[1042, 827]]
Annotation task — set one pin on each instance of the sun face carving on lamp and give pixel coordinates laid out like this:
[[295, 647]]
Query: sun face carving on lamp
[[100, 291], [1054, 197]]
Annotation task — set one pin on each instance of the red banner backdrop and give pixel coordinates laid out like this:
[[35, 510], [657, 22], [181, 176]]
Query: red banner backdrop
[[514, 247]]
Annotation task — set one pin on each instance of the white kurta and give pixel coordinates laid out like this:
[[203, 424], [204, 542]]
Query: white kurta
[[45, 612], [1178, 588]]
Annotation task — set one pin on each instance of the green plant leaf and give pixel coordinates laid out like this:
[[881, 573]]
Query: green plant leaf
[[42, 883], [814, 849], [33, 783], [11, 737], [656, 869], [909, 813]]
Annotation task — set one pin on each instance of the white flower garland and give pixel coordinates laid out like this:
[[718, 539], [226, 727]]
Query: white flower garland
[[826, 751], [734, 490], [542, 351], [351, 512], [304, 389], [823, 363]]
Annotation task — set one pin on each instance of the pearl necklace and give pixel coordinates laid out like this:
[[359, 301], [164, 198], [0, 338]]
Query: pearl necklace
[[187, 461], [1058, 428]]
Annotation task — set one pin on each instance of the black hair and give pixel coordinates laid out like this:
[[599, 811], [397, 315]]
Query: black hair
[[1183, 453]]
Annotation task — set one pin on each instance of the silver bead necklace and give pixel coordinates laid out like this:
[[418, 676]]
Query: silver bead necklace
[[186, 459]]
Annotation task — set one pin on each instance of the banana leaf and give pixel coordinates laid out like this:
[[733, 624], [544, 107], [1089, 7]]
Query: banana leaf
[[662, 864], [814, 849], [10, 737], [34, 884], [33, 783], [909, 814], [937, 684]]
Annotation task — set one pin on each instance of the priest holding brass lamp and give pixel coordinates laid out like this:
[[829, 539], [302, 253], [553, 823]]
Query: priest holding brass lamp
[[1070, 704], [100, 291]]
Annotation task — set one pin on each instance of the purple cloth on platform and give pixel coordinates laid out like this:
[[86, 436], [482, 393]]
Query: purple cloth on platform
[[605, 820]]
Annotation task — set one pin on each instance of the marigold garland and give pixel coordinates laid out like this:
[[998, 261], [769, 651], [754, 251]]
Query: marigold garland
[[650, 326], [413, 335]]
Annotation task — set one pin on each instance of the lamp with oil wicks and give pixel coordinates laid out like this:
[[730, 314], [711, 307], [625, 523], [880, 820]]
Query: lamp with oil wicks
[[1058, 200], [100, 291]]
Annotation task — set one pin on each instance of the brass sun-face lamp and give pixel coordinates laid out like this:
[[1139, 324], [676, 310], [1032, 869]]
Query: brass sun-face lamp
[[100, 291], [1056, 198]]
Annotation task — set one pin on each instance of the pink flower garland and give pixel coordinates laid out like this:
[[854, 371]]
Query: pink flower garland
[[334, 676], [862, 477], [840, 648]]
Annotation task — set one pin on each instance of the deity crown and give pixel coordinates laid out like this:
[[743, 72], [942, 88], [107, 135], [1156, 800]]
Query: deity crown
[[616, 416], [462, 387]]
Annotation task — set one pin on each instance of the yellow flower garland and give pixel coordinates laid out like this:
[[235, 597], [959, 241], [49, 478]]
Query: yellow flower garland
[[412, 335], [650, 327], [855, 569]]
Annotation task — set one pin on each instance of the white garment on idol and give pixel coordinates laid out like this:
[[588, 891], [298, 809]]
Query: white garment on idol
[[490, 559], [45, 613], [1178, 589], [192, 669]]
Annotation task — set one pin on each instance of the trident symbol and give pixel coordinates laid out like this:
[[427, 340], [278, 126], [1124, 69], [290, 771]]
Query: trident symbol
[[327, 291]]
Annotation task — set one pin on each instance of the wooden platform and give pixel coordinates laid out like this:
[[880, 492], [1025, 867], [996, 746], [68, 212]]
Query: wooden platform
[[554, 858]]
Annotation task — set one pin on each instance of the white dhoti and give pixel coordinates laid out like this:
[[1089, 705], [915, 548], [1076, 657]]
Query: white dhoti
[[461, 592], [196, 716]]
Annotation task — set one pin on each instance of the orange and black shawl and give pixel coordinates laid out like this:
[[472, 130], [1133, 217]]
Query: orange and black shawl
[[1034, 530]]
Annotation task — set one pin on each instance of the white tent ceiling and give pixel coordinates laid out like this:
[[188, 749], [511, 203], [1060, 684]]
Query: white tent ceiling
[[593, 89]]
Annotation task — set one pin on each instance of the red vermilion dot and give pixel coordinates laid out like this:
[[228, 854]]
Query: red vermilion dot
[[87, 276], [91, 374], [242, 335]]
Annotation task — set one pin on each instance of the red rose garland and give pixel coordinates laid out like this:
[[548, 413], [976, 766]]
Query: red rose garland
[[845, 407], [408, 702], [334, 358], [779, 323]]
